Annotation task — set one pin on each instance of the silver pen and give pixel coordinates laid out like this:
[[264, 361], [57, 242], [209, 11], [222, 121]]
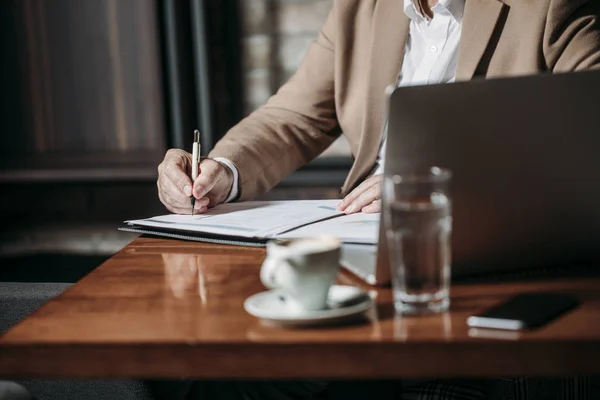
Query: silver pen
[[195, 164]]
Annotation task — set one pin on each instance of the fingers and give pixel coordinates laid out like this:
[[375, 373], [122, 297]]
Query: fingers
[[366, 198], [173, 194], [174, 209], [179, 157], [208, 178], [176, 170], [201, 205], [372, 208], [174, 185], [363, 195]]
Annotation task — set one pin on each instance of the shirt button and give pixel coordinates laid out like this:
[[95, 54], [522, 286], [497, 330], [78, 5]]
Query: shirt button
[[433, 49]]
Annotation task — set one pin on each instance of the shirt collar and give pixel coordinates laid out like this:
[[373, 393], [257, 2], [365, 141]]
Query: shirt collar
[[456, 8]]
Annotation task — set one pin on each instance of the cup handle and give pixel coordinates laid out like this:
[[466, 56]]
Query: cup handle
[[268, 271]]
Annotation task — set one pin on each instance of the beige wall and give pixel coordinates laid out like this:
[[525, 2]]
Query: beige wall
[[276, 36]]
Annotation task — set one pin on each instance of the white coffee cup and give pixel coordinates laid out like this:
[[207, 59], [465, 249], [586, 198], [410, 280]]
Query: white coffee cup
[[302, 269]]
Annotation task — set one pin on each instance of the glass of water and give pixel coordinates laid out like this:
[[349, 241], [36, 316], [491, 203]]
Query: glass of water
[[418, 224]]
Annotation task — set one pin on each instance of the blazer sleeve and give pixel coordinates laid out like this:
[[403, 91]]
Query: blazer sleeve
[[572, 35], [293, 127]]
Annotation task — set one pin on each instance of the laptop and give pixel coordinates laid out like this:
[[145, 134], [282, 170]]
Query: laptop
[[525, 157]]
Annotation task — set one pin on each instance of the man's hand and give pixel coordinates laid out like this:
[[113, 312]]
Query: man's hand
[[175, 186], [366, 197], [214, 183]]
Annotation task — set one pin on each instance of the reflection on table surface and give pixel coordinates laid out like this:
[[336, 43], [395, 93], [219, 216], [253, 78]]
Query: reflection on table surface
[[160, 307], [161, 290]]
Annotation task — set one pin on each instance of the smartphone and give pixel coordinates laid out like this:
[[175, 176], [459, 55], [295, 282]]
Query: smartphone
[[523, 311]]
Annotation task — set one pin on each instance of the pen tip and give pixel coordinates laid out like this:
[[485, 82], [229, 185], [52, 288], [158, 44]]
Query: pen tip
[[196, 135]]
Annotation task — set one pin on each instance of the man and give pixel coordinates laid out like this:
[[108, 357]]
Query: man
[[339, 88]]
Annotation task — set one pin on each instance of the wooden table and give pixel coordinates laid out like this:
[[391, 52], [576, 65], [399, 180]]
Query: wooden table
[[164, 308]]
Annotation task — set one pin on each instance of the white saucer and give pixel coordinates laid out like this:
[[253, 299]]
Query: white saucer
[[345, 302]]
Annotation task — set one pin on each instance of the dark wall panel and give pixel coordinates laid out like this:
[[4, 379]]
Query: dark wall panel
[[12, 135], [90, 74]]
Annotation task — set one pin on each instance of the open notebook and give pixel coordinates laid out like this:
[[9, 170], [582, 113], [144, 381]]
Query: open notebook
[[254, 223]]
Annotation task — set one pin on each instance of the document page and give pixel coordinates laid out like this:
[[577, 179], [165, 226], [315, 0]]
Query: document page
[[253, 219], [353, 228]]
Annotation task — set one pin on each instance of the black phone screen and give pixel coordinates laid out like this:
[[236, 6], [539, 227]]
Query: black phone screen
[[527, 310]]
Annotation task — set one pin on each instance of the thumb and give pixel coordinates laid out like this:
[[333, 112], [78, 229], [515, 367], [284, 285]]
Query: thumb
[[206, 180]]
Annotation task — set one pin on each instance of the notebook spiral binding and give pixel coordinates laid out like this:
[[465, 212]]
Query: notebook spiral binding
[[193, 238]]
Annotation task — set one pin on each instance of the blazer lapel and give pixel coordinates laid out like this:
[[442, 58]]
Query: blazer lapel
[[479, 21], [389, 34]]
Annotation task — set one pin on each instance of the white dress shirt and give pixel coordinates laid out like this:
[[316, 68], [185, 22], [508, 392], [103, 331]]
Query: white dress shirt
[[233, 194], [430, 56], [431, 52]]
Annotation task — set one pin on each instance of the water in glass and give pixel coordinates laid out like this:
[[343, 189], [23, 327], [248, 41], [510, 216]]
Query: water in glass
[[419, 233]]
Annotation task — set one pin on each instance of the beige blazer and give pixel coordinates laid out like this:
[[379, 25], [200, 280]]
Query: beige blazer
[[339, 87]]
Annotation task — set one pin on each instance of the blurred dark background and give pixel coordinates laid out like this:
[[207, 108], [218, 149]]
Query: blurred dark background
[[94, 92]]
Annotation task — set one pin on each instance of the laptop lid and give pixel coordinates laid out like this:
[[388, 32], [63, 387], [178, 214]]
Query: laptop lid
[[525, 158]]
